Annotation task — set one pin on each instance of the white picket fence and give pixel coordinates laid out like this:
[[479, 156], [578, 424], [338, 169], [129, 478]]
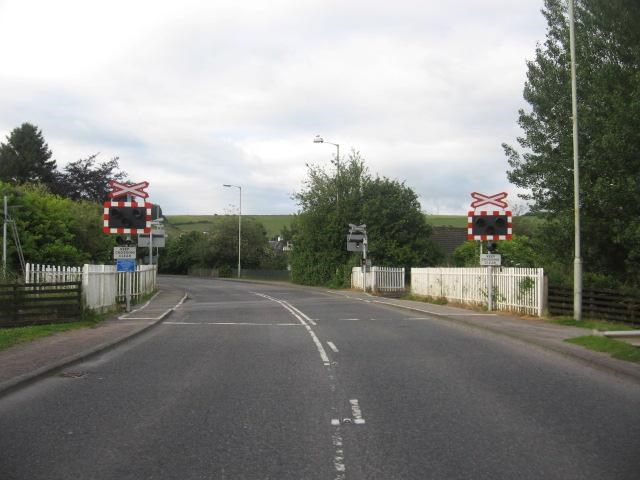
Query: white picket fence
[[102, 286], [514, 289], [378, 279]]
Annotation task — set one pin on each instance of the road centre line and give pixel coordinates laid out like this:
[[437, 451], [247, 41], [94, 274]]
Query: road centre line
[[299, 315], [237, 323], [349, 319], [332, 346], [357, 412]]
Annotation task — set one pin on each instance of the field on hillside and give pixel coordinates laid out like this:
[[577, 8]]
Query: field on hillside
[[273, 224], [176, 224]]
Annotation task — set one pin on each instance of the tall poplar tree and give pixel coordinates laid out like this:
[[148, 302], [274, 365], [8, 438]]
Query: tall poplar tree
[[608, 79]]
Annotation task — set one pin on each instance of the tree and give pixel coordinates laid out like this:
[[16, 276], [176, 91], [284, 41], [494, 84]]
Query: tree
[[84, 180], [397, 230], [55, 230], [26, 158], [608, 73], [218, 248]]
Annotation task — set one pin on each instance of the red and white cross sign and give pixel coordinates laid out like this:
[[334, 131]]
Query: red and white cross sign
[[481, 199], [122, 189]]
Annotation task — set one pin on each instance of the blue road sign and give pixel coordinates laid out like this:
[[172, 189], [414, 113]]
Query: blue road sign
[[125, 265]]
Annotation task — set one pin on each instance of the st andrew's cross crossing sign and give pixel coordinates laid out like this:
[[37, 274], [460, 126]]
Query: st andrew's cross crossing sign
[[123, 189]]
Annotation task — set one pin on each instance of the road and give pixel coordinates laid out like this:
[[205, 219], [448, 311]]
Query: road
[[257, 381]]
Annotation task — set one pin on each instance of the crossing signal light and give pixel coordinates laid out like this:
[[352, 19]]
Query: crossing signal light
[[127, 217], [495, 225]]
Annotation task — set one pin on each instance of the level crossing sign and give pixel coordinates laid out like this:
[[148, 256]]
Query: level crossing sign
[[123, 189]]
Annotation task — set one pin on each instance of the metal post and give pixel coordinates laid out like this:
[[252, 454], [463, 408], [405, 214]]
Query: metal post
[[151, 246], [577, 262], [364, 257], [4, 238], [489, 288], [239, 230], [127, 290]]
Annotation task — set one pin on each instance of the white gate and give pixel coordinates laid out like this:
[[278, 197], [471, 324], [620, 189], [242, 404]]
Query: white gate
[[378, 279]]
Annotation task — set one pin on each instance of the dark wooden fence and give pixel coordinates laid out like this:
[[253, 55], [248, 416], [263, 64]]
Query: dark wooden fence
[[596, 303], [38, 303]]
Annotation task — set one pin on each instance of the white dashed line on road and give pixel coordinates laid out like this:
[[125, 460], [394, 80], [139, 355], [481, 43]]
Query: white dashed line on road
[[332, 346], [357, 412]]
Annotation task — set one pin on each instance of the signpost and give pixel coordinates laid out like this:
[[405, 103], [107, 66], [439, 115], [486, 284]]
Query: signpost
[[126, 262], [490, 259], [124, 253], [158, 239]]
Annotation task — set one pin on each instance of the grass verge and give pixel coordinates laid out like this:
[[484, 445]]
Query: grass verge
[[15, 335], [616, 348], [600, 325]]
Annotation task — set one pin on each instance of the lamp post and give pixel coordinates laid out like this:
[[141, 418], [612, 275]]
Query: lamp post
[[239, 221], [577, 261], [319, 139]]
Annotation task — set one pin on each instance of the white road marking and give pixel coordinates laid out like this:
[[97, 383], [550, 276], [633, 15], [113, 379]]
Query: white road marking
[[301, 318], [237, 323], [338, 458], [257, 324], [332, 346], [335, 422], [357, 412], [349, 319]]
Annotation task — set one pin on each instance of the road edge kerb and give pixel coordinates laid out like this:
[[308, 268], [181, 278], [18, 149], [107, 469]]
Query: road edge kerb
[[22, 381], [585, 357]]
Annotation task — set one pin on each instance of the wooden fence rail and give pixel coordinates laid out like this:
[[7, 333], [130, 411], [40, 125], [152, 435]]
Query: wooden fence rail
[[39, 303], [596, 303]]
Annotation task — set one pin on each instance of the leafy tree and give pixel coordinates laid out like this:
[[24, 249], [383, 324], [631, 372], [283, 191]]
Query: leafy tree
[[26, 158], [608, 77], [86, 180], [397, 230], [219, 247], [55, 230]]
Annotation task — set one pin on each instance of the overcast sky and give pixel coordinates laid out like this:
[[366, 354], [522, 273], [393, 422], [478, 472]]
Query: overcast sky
[[192, 94]]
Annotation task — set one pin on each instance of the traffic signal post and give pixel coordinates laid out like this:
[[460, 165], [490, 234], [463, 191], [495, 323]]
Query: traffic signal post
[[489, 225], [123, 216]]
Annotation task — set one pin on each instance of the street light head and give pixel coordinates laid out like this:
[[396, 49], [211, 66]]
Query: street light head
[[225, 185], [318, 139]]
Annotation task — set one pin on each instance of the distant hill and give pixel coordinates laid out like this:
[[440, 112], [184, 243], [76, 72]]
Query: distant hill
[[176, 224]]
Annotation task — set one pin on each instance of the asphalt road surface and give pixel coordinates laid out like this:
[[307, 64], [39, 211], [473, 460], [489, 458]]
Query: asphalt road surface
[[255, 381]]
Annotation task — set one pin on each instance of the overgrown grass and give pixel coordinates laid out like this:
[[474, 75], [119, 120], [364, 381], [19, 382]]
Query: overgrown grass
[[616, 348], [600, 325], [426, 299]]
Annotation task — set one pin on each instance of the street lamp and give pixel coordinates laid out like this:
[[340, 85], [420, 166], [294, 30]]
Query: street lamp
[[319, 139], [577, 260], [239, 221]]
